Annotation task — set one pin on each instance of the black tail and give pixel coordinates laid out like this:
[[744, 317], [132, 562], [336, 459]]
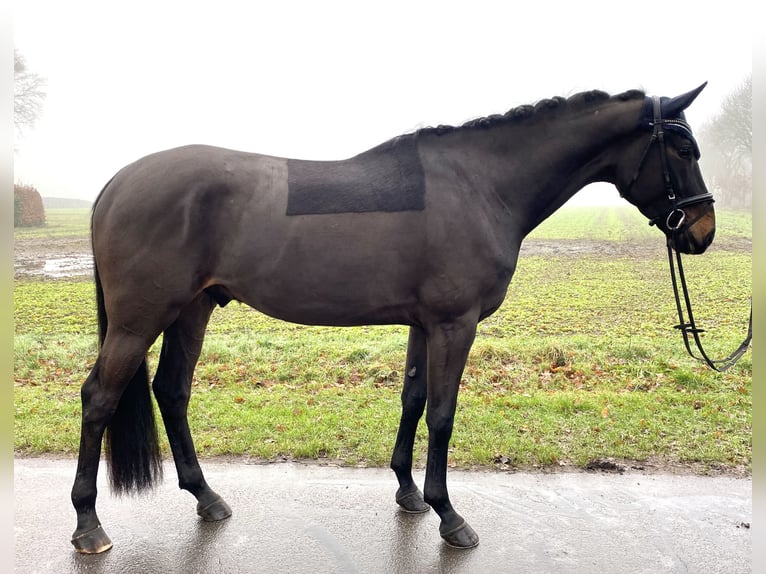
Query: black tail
[[131, 444], [132, 447]]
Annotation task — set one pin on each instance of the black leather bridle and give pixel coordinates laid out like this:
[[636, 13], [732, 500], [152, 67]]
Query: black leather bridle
[[676, 217], [674, 221]]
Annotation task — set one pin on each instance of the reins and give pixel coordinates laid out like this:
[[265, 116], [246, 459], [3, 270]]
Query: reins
[[674, 220], [689, 327]]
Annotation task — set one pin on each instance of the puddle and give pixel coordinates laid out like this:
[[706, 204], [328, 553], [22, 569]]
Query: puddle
[[54, 267], [68, 266]]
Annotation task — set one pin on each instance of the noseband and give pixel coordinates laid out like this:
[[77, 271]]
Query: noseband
[[676, 217], [674, 221]]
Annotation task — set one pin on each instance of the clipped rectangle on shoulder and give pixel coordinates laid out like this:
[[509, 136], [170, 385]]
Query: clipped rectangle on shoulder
[[387, 178]]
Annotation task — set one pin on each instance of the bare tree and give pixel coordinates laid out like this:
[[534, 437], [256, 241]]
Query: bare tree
[[726, 143], [28, 94]]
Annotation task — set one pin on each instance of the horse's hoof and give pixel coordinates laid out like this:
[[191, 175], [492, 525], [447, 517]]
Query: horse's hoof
[[462, 536], [412, 502], [92, 542], [214, 511]]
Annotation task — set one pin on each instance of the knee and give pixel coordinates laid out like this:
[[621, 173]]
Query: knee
[[413, 402], [439, 424], [169, 394], [414, 394]]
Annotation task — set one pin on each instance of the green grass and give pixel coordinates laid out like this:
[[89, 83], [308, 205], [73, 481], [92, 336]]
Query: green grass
[[580, 363], [624, 223], [610, 224], [58, 223]]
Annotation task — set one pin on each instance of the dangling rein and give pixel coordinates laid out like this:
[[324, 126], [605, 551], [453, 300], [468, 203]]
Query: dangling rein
[[690, 328], [676, 217]]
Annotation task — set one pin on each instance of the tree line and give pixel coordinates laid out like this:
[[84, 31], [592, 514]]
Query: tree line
[[726, 143], [725, 140], [28, 94]]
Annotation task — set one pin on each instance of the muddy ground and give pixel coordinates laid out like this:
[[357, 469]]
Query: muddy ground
[[62, 257], [71, 256], [52, 257]]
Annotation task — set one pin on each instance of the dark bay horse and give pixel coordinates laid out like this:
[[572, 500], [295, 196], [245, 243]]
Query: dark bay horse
[[423, 231]]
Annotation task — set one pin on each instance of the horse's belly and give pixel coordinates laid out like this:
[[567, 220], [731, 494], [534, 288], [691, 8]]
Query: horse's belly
[[325, 290]]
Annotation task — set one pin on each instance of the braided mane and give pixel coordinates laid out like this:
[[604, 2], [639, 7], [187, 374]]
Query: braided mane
[[557, 104]]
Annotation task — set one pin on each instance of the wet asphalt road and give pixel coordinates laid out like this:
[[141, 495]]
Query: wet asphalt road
[[297, 518]]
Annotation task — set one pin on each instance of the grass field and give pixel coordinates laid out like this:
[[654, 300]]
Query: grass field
[[581, 363], [58, 223]]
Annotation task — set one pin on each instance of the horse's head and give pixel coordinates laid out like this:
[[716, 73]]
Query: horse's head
[[662, 178]]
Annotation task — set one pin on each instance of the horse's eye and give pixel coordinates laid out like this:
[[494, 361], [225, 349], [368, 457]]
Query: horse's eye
[[685, 152]]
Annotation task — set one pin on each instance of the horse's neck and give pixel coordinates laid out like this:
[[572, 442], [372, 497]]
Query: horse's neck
[[537, 166]]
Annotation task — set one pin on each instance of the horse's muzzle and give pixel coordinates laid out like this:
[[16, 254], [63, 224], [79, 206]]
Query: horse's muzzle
[[686, 243], [691, 231]]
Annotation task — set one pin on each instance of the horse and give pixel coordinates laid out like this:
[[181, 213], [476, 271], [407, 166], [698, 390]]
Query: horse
[[423, 231]]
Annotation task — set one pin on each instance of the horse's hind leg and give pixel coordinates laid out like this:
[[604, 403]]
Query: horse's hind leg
[[120, 363], [181, 346], [409, 496]]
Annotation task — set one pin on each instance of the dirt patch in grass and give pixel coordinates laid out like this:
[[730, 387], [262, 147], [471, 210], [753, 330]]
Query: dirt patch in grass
[[53, 257], [67, 257]]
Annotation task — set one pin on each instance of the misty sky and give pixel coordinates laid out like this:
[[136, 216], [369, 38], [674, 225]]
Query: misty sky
[[327, 80]]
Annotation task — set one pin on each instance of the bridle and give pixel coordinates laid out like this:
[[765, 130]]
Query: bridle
[[674, 221], [659, 125]]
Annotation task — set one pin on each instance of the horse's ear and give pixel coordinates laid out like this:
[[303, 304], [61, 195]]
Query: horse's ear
[[678, 104]]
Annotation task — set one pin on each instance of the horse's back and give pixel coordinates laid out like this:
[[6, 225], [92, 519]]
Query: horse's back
[[195, 217], [166, 182]]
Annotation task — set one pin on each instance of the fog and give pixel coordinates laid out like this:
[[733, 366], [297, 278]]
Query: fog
[[329, 80]]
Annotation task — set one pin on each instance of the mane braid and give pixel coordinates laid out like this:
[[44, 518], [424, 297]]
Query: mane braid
[[557, 104]]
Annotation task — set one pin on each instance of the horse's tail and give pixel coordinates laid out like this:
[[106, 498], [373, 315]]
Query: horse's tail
[[132, 446], [131, 443]]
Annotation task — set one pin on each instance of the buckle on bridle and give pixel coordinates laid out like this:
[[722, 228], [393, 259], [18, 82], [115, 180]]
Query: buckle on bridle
[[674, 221], [677, 211], [681, 218], [676, 217]]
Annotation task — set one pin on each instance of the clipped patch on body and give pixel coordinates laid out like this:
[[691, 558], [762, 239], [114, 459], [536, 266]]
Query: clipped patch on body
[[386, 178]]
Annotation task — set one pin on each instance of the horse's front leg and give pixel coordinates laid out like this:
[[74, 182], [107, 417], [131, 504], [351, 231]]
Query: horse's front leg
[[409, 496], [448, 347]]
